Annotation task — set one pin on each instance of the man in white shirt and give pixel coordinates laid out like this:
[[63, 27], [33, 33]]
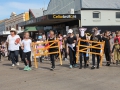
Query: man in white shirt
[[13, 47]]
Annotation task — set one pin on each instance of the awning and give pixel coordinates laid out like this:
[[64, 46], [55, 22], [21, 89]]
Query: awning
[[51, 19], [30, 29], [8, 32]]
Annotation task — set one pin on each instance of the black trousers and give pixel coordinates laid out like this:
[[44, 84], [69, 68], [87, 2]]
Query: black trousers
[[64, 50], [52, 60], [107, 54], [83, 55], [21, 52], [72, 55], [93, 57], [24, 55]]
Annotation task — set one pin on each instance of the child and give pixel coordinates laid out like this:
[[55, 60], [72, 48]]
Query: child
[[52, 38], [40, 45], [26, 46], [106, 38], [71, 48], [111, 47], [116, 48], [64, 47]]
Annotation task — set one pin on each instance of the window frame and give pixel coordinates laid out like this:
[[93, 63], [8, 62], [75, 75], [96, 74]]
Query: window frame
[[116, 15], [96, 12]]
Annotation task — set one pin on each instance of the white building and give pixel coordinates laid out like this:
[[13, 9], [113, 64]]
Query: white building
[[105, 14]]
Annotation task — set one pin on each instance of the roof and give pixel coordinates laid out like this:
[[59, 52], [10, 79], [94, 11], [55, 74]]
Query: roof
[[101, 4], [1, 21], [37, 12]]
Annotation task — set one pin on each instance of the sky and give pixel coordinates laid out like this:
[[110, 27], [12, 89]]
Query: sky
[[19, 6]]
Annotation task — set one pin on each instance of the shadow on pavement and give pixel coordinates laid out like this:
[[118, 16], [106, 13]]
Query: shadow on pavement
[[7, 64]]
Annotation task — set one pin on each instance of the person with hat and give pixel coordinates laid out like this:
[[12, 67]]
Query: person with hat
[[71, 48], [13, 41]]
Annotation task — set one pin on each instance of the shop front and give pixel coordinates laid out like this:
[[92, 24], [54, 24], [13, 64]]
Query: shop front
[[60, 23]]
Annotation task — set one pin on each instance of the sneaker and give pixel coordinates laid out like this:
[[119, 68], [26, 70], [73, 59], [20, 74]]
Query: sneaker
[[70, 66], [29, 69], [93, 67], [108, 64], [17, 64], [75, 65], [51, 69], [13, 65], [80, 67], [85, 66], [97, 67], [25, 68], [66, 59], [116, 62]]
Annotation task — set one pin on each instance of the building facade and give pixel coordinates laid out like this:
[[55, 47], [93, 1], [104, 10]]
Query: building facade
[[105, 14], [14, 19], [2, 27]]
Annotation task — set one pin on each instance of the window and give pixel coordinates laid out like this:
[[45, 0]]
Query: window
[[6, 28], [16, 26], [9, 27], [118, 15], [96, 14]]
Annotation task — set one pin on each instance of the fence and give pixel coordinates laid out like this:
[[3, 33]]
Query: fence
[[84, 50], [41, 51]]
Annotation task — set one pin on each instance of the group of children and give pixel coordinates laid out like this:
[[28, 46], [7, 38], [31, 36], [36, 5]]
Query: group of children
[[68, 46]]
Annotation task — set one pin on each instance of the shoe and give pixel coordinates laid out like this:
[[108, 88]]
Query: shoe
[[29, 69], [108, 64], [85, 66], [116, 62], [13, 65], [93, 67], [80, 67], [52, 68], [17, 64], [66, 59], [97, 67], [70, 66], [25, 68], [75, 65], [113, 63]]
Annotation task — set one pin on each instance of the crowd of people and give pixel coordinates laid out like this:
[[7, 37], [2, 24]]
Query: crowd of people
[[14, 46]]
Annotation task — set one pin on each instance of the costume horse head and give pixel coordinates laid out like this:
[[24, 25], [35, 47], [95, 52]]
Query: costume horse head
[[82, 31]]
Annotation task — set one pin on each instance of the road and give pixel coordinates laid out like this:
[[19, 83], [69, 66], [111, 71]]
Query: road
[[62, 78]]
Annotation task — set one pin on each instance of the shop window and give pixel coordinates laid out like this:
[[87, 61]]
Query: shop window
[[96, 15], [118, 15]]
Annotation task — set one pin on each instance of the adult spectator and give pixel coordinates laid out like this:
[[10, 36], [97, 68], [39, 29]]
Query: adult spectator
[[13, 41]]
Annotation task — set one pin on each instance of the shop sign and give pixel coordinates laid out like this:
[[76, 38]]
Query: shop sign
[[64, 16]]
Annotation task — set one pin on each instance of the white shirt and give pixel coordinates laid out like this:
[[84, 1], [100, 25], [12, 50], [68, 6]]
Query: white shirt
[[11, 43], [27, 45]]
